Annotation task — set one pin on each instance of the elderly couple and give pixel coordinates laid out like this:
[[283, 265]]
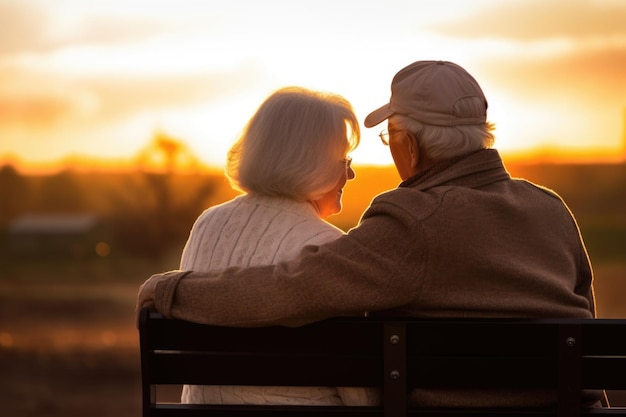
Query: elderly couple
[[458, 237]]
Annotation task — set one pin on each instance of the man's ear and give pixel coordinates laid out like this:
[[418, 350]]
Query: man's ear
[[414, 151]]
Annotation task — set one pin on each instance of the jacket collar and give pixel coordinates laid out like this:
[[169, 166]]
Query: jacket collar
[[475, 169]]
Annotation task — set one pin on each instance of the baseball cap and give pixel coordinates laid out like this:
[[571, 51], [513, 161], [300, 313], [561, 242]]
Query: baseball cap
[[427, 92]]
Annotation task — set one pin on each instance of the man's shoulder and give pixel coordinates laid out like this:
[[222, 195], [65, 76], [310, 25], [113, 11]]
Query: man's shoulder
[[410, 195], [408, 201]]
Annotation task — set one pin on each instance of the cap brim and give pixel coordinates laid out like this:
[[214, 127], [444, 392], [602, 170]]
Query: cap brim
[[378, 116]]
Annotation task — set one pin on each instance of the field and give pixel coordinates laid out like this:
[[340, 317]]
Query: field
[[67, 351], [68, 348]]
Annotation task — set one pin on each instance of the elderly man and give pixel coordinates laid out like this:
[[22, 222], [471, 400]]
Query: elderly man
[[457, 238]]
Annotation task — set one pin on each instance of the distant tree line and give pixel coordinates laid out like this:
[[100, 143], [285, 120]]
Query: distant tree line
[[150, 210], [146, 212]]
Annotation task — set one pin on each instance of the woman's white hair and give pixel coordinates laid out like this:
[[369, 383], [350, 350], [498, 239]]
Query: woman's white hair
[[294, 144], [443, 142]]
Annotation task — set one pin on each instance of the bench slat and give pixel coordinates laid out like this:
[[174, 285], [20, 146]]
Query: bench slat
[[203, 410], [361, 338], [481, 372], [281, 369], [607, 372]]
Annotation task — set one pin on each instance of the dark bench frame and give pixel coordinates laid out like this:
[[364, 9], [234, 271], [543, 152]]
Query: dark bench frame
[[565, 355]]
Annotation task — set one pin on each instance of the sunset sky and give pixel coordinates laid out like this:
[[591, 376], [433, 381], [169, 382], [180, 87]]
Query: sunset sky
[[98, 78]]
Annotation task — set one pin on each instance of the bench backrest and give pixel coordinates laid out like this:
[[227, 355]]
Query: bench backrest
[[397, 355]]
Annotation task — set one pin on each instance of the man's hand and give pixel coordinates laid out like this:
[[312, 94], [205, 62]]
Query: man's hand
[[147, 293]]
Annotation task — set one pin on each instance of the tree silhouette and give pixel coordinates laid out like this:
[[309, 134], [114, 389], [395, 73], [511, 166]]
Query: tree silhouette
[[61, 193], [163, 215], [14, 193], [165, 154]]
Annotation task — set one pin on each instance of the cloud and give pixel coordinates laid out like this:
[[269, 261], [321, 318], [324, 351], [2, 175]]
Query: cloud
[[44, 100], [31, 100], [531, 20], [21, 28], [122, 96], [95, 31], [29, 28], [594, 77], [37, 112]]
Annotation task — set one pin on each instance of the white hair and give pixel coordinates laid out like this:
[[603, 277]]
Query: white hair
[[293, 145], [443, 142]]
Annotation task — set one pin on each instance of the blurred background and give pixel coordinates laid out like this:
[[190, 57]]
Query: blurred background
[[115, 119]]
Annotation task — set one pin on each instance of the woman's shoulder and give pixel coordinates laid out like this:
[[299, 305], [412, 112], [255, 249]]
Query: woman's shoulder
[[318, 232], [219, 211]]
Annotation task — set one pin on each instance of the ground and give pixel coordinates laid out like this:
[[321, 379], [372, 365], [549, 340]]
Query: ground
[[69, 351], [72, 349]]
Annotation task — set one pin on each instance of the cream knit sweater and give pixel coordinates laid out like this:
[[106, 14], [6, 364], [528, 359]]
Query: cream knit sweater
[[247, 231]]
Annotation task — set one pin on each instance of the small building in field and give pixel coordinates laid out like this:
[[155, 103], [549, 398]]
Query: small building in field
[[68, 235]]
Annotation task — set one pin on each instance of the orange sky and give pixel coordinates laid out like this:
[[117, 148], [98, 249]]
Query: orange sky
[[98, 78]]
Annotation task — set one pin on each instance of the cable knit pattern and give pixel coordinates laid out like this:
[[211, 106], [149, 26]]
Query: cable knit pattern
[[254, 230], [247, 231]]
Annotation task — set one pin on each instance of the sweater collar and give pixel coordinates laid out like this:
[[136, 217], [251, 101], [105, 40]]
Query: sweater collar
[[303, 208], [472, 170]]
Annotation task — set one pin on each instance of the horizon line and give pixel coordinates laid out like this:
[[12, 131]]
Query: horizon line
[[83, 163]]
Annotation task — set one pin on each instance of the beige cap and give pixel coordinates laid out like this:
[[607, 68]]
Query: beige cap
[[427, 91]]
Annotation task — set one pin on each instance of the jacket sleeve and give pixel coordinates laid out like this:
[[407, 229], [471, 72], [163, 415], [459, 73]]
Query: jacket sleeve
[[376, 266]]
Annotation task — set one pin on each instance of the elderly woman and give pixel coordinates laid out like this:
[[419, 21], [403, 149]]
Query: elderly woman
[[291, 162]]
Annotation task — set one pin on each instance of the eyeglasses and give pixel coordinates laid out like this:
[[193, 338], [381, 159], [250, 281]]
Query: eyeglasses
[[348, 161], [384, 137]]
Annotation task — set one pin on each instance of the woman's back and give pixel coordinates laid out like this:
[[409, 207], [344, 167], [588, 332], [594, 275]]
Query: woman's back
[[247, 231]]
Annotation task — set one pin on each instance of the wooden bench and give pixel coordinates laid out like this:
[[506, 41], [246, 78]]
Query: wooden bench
[[565, 355]]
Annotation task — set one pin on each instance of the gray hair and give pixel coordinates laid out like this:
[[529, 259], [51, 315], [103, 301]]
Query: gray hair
[[293, 145], [443, 142]]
